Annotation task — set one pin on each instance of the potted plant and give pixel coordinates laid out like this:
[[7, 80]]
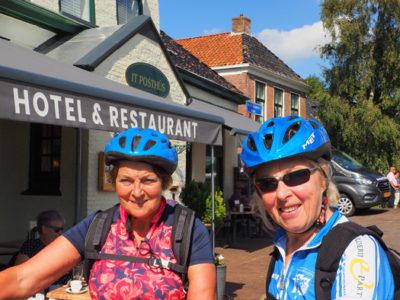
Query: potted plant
[[193, 195], [219, 209], [221, 275]]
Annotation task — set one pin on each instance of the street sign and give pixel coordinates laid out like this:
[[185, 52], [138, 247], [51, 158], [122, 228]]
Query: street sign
[[253, 108]]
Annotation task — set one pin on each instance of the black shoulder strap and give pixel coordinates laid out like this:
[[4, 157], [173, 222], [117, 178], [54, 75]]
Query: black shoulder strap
[[182, 231], [182, 234], [394, 260], [274, 255], [332, 248], [96, 236]]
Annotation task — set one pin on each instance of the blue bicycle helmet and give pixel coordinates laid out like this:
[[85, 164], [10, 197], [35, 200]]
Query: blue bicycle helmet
[[147, 145], [283, 137]]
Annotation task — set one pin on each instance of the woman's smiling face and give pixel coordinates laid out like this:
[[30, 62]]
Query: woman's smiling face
[[294, 208], [139, 189]]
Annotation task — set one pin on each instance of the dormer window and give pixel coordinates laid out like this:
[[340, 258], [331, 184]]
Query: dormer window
[[127, 9]]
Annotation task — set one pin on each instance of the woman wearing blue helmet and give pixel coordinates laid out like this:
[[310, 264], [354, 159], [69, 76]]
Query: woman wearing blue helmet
[[141, 229], [288, 162]]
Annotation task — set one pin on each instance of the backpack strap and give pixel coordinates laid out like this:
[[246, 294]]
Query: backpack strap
[[331, 251], [182, 234], [394, 260], [96, 237], [274, 255], [182, 230]]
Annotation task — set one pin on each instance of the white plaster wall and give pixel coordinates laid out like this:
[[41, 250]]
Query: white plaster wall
[[195, 92], [199, 162], [96, 199], [140, 49], [49, 4], [17, 209], [150, 8], [106, 12], [230, 161]]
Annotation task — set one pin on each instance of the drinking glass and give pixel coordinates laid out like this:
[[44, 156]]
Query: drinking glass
[[77, 272]]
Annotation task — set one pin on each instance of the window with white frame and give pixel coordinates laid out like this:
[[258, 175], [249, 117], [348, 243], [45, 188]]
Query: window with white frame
[[278, 102], [126, 9], [294, 104], [260, 99], [80, 9]]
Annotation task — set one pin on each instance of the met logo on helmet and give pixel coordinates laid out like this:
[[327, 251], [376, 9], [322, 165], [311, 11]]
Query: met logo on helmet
[[309, 141]]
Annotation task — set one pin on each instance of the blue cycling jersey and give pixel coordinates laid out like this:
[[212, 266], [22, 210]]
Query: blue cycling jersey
[[364, 270]]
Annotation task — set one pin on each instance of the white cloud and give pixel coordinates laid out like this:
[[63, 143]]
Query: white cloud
[[211, 31], [297, 44]]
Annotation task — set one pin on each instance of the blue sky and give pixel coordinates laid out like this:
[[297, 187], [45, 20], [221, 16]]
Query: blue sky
[[289, 28]]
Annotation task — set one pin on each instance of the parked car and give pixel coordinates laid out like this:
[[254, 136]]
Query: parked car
[[359, 187]]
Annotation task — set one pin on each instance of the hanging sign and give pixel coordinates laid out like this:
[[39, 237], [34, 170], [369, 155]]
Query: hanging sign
[[253, 108], [147, 78]]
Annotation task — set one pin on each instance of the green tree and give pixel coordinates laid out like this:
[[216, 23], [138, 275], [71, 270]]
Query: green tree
[[359, 129], [365, 51], [359, 102]]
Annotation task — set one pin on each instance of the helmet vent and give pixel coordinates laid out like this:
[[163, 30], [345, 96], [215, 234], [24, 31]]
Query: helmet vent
[[122, 142], [313, 124], [135, 142], [292, 118], [163, 141], [149, 144], [291, 131], [250, 144], [169, 145], [268, 141], [270, 124]]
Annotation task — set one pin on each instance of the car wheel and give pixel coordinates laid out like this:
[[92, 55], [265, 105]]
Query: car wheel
[[345, 205]]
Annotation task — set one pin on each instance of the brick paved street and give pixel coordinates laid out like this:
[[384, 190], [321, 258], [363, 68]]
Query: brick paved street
[[248, 259]]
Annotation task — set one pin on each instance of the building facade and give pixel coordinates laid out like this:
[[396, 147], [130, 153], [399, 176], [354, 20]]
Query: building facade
[[253, 69], [56, 164]]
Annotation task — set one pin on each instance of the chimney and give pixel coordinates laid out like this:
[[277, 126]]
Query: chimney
[[241, 25]]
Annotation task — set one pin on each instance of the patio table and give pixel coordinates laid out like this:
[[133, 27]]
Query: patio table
[[62, 294]]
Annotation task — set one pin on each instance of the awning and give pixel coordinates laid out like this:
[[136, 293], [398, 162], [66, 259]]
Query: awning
[[239, 124], [35, 88]]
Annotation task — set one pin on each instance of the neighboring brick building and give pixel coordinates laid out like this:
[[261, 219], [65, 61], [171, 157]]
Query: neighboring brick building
[[252, 68]]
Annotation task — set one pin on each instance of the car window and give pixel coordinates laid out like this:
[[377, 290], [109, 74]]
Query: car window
[[345, 161]]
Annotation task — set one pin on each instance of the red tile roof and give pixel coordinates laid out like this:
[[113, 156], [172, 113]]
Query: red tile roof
[[215, 50], [232, 49], [184, 59]]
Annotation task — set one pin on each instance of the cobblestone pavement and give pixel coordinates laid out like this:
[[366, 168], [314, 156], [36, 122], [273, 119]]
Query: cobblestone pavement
[[248, 258]]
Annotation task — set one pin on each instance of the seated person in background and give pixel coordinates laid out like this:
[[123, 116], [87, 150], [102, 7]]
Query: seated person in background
[[238, 195], [49, 226]]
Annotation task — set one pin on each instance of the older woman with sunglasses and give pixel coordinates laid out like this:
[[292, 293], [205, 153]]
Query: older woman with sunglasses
[[141, 229], [49, 225], [288, 161]]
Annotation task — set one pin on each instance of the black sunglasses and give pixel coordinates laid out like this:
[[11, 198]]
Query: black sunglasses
[[56, 229], [270, 184]]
